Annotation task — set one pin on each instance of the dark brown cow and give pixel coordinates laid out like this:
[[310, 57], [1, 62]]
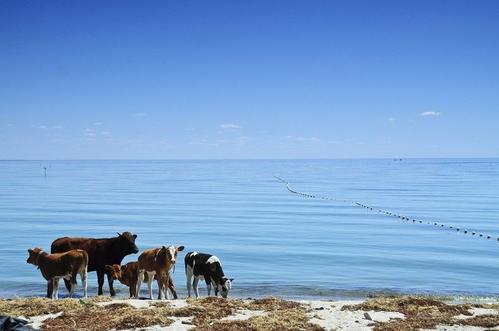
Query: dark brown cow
[[128, 275], [157, 261], [100, 252], [61, 265]]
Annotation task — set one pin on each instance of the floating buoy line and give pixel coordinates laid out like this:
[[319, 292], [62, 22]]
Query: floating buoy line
[[386, 212]]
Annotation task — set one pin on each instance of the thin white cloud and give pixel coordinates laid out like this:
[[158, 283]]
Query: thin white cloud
[[430, 113], [140, 114], [89, 132], [303, 139], [391, 119], [98, 123], [46, 127], [230, 126]]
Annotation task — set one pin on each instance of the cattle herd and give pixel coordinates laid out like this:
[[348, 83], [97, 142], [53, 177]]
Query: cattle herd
[[70, 257]]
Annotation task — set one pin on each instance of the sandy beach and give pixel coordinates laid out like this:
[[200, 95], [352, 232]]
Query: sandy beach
[[389, 313]]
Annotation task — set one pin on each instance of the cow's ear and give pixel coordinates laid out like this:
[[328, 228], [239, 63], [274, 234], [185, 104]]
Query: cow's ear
[[119, 234], [180, 248], [231, 280], [30, 250], [108, 267], [163, 247], [134, 236]]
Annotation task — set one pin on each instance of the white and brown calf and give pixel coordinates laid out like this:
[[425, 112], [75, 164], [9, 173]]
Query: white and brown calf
[[207, 266], [157, 262], [61, 265]]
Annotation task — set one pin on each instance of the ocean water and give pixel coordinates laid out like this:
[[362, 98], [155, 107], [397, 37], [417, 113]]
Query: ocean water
[[271, 241]]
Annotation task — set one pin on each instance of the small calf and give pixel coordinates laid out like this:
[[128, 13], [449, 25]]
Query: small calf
[[128, 275], [61, 265], [157, 261], [201, 265]]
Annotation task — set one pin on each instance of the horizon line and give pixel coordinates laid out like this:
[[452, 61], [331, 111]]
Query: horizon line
[[259, 159]]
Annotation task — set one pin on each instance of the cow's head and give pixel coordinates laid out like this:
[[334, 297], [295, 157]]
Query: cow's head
[[225, 286], [170, 253], [128, 242], [114, 271], [34, 255]]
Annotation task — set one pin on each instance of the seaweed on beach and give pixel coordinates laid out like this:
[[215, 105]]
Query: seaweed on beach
[[29, 307], [206, 313], [277, 319], [278, 315], [423, 313], [484, 321], [210, 309], [117, 316], [272, 303]]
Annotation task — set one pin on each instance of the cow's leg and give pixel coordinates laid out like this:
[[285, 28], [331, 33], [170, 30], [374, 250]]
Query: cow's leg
[[72, 291], [55, 292], [132, 288], [166, 285], [161, 285], [195, 284], [188, 274], [140, 279], [110, 282], [208, 287], [100, 281], [150, 279], [172, 287], [67, 282], [50, 289], [83, 276]]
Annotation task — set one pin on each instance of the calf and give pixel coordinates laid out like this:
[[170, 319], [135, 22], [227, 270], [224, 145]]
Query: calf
[[157, 261], [61, 265], [200, 265], [128, 275]]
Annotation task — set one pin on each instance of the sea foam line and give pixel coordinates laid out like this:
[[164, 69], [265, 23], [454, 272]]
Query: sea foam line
[[385, 212]]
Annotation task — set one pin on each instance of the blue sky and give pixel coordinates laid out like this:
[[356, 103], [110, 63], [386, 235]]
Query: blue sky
[[248, 79]]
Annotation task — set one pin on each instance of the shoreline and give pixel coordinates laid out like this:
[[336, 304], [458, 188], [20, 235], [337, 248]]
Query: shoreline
[[380, 313]]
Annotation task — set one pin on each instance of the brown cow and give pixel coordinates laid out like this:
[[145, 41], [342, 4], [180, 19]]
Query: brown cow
[[100, 252], [61, 265], [157, 261], [128, 275]]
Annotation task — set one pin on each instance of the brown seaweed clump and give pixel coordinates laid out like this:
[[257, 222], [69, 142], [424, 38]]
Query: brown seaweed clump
[[279, 315], [29, 307], [423, 313], [116, 316]]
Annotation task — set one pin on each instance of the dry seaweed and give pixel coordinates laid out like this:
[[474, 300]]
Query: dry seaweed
[[272, 303], [277, 320], [114, 316], [28, 307], [423, 313]]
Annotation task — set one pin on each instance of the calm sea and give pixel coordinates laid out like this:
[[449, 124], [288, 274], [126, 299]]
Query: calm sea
[[271, 241]]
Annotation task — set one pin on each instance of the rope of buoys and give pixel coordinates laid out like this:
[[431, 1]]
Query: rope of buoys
[[385, 212]]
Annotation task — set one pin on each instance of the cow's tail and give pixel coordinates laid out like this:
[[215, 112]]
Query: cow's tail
[[187, 260], [80, 267]]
